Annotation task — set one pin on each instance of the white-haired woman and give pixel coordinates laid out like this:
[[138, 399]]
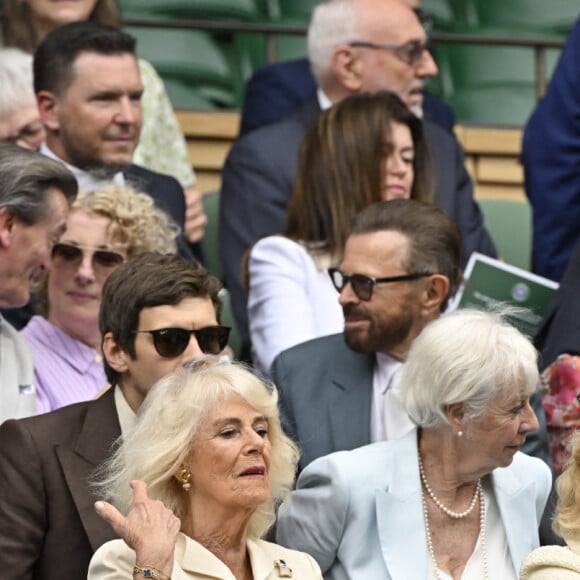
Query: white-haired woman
[[207, 462], [454, 498]]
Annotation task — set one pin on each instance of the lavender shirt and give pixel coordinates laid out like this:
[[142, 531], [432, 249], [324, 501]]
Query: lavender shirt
[[66, 371]]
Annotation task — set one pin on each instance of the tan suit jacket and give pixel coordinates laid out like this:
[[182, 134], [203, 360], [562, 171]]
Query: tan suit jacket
[[48, 527], [115, 560]]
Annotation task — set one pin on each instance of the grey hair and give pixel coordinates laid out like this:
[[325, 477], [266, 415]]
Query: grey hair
[[16, 80], [26, 181], [333, 22], [469, 357], [169, 419]]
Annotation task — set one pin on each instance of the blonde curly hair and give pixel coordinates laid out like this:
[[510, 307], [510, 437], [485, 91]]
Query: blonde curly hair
[[137, 225]]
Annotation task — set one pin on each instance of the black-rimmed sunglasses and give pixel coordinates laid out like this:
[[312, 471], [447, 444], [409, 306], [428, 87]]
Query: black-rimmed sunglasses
[[172, 342], [68, 254], [363, 285]]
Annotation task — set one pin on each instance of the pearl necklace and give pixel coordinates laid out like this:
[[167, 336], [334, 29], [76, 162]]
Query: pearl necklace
[[455, 515], [481, 536]]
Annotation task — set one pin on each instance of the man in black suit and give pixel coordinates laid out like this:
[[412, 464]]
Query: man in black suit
[[88, 89], [48, 526], [276, 90], [354, 46]]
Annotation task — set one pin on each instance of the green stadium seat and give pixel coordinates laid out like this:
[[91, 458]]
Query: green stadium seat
[[185, 96], [210, 242], [210, 246], [227, 319], [241, 10], [189, 58], [298, 11], [510, 225], [447, 15], [489, 84], [533, 17]]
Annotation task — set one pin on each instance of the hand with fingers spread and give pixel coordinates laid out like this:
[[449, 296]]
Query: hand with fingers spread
[[195, 218], [149, 528]]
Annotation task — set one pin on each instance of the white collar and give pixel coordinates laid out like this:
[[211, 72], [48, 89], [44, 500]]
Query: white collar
[[85, 180]]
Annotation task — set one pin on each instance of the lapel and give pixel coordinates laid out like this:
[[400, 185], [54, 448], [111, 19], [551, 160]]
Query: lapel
[[137, 178], [349, 405], [99, 430], [516, 499], [399, 511], [193, 557]]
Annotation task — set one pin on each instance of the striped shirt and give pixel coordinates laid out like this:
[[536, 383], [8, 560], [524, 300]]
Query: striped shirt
[[66, 371]]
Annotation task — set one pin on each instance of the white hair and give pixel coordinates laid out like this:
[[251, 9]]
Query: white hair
[[333, 22], [469, 357], [15, 80], [163, 437]]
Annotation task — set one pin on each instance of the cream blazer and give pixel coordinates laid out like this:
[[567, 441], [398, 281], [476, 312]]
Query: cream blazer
[[17, 390], [115, 560], [553, 563]]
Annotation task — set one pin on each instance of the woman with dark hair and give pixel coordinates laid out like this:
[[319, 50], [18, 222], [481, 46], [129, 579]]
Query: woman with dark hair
[[363, 150]]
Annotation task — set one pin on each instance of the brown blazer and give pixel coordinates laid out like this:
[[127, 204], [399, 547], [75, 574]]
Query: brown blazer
[[48, 527]]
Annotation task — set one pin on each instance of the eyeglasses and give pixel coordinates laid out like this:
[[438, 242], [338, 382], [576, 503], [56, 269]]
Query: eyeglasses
[[171, 342], [363, 285], [67, 255], [410, 53]]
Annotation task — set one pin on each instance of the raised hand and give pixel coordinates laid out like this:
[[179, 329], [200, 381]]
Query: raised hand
[[149, 528]]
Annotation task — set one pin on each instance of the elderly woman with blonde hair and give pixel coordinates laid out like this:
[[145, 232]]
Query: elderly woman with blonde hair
[[208, 463], [559, 562], [104, 228]]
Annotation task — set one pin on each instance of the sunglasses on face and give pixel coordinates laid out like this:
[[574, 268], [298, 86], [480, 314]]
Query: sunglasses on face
[[172, 342], [69, 255], [363, 286]]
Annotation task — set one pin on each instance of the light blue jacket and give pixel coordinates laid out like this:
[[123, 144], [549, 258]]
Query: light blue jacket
[[359, 513]]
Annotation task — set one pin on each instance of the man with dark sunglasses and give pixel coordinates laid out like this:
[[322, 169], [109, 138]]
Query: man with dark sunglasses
[[157, 312], [401, 266]]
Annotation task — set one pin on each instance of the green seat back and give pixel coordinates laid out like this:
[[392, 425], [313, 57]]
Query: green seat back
[[210, 242], [235, 341], [537, 17], [191, 58], [242, 10], [489, 84], [510, 225]]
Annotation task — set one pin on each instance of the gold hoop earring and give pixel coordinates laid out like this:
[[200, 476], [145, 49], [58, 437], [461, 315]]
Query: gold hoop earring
[[185, 478]]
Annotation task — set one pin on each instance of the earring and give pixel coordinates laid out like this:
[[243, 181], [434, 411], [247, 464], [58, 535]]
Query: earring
[[459, 433], [185, 478]]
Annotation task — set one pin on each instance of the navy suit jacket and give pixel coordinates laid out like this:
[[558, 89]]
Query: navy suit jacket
[[551, 158], [258, 179], [325, 393], [277, 90], [559, 332], [48, 525]]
